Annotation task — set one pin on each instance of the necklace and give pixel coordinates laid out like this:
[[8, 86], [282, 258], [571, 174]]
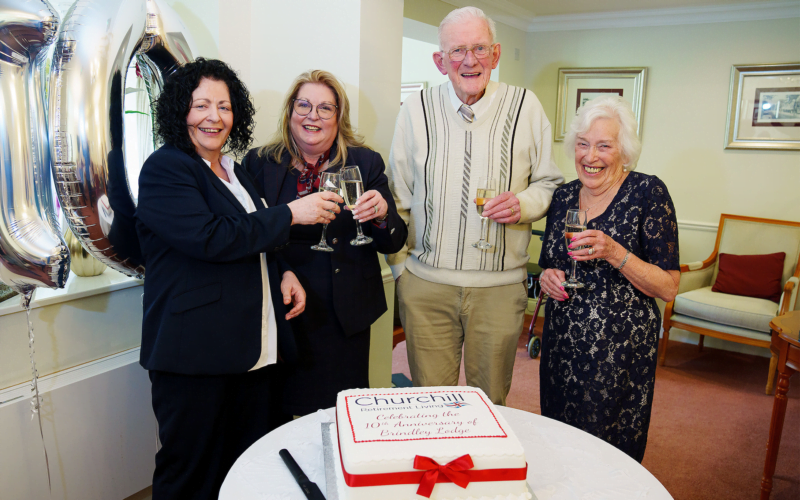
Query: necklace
[[608, 192]]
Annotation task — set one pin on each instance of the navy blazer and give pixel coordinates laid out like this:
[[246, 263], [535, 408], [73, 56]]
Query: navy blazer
[[203, 292], [358, 295]]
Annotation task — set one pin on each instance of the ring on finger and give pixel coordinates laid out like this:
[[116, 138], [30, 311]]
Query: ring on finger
[[591, 250], [376, 209], [512, 210]]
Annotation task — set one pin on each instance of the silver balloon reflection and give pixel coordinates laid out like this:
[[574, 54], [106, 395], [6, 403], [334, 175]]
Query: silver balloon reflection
[[100, 42], [32, 252]]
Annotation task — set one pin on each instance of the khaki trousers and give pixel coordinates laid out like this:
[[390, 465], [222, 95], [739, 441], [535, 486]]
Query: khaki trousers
[[439, 320]]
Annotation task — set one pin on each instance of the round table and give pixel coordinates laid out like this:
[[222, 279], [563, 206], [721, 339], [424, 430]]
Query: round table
[[564, 463]]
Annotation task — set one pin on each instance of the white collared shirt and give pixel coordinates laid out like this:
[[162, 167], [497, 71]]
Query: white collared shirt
[[269, 328], [481, 105]]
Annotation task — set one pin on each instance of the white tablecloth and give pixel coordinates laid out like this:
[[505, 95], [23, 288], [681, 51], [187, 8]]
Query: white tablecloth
[[564, 463]]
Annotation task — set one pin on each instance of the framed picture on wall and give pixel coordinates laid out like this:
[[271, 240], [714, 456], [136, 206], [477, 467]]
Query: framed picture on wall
[[576, 86], [764, 107], [406, 89]]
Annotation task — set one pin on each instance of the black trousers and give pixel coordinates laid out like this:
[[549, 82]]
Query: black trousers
[[204, 423]]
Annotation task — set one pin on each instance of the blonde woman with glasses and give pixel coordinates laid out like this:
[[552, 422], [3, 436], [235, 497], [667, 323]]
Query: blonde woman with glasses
[[343, 283]]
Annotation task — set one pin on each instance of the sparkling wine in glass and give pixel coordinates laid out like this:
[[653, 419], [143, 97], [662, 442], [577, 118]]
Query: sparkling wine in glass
[[487, 189], [353, 189], [328, 181], [574, 223]]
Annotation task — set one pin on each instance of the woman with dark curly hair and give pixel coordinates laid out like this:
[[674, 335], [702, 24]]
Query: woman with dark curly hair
[[217, 300]]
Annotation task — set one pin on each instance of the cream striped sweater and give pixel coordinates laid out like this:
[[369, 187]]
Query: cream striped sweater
[[435, 161]]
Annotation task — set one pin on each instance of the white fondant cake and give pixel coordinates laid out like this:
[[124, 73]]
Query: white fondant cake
[[382, 431]]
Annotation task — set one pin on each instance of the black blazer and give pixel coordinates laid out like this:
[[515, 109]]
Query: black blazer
[[358, 296], [202, 291]]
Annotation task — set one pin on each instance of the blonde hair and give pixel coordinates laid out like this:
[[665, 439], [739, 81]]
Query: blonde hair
[[611, 107], [283, 141]]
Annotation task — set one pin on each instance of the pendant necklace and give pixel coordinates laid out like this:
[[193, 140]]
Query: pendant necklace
[[608, 192]]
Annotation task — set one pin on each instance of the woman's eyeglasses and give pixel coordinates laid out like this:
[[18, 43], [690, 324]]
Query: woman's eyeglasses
[[325, 110]]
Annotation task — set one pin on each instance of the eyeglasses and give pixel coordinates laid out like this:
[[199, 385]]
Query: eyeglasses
[[480, 51], [325, 110]]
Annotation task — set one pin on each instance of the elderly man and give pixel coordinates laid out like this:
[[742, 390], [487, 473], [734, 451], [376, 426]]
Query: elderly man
[[452, 294]]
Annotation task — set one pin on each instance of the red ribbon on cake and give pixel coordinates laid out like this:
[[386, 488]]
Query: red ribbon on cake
[[418, 476], [453, 470]]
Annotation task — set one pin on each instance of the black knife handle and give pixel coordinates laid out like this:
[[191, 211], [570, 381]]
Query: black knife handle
[[295, 469]]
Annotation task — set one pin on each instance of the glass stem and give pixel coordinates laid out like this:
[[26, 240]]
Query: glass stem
[[572, 277], [324, 231], [484, 228], [358, 228]]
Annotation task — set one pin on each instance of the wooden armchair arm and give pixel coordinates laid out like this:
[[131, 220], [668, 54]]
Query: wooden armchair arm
[[789, 297]]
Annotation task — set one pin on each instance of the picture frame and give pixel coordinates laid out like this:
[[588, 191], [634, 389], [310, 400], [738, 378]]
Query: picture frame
[[406, 89], [578, 85], [764, 107]]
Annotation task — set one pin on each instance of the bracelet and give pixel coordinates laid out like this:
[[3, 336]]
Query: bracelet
[[624, 261]]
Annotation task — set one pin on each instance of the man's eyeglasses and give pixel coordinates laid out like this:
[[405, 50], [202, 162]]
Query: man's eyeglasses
[[480, 51], [325, 110]]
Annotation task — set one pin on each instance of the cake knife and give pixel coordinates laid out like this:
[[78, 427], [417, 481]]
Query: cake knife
[[331, 488], [310, 489]]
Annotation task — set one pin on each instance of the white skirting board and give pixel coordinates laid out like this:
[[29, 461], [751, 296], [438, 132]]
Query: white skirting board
[[99, 430]]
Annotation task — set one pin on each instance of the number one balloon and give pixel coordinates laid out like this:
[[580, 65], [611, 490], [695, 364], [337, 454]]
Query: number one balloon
[[32, 252]]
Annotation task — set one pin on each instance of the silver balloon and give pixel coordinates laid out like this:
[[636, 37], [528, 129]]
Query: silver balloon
[[32, 252], [101, 41]]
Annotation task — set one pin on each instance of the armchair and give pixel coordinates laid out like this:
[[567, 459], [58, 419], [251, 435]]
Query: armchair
[[736, 318]]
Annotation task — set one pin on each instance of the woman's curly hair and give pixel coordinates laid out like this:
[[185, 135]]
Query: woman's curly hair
[[173, 105]]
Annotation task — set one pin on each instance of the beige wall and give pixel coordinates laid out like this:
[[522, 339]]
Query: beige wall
[[685, 114], [684, 120]]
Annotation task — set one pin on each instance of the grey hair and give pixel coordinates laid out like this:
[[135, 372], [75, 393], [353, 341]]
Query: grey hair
[[611, 107], [461, 15]]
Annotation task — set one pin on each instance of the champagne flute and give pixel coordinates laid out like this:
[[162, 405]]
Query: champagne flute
[[353, 189], [574, 223], [487, 189], [328, 181]]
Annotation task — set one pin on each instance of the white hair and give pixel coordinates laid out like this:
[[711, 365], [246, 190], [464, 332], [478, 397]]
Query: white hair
[[611, 107], [461, 15]]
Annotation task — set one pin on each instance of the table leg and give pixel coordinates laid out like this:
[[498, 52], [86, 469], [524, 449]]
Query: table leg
[[775, 431]]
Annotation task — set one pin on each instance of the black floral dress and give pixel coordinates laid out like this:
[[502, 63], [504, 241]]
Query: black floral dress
[[599, 346]]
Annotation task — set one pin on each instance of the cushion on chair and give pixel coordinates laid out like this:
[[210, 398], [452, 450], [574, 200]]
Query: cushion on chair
[[734, 310], [756, 276], [718, 327]]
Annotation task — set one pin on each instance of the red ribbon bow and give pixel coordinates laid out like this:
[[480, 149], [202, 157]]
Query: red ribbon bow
[[454, 471]]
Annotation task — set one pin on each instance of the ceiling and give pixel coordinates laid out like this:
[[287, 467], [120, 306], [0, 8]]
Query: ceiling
[[562, 7], [549, 15]]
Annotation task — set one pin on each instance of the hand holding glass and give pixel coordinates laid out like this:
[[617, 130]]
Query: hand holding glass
[[487, 189], [353, 189], [328, 181], [574, 223]]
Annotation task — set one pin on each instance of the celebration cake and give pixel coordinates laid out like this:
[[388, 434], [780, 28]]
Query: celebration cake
[[442, 443]]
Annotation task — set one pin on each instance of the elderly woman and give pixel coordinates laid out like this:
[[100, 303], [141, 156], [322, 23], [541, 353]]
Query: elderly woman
[[344, 287], [216, 299], [599, 342]]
